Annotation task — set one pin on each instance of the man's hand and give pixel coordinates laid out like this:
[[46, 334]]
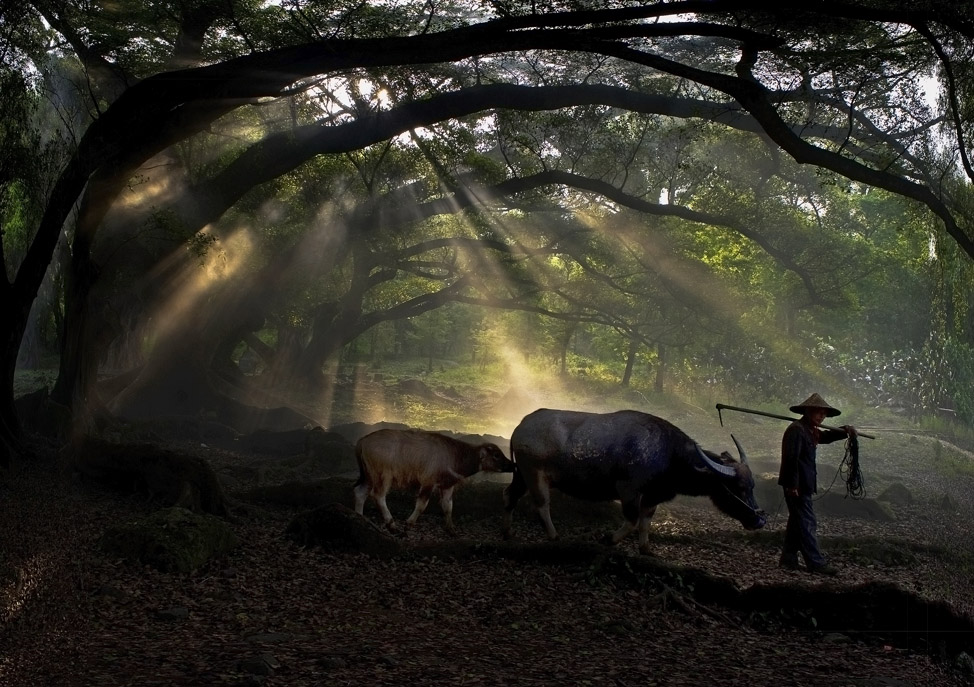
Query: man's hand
[[792, 491], [850, 430]]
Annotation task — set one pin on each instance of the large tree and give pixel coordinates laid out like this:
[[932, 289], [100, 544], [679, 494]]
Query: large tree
[[844, 96]]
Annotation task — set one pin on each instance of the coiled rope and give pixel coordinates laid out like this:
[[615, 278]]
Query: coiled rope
[[855, 486]]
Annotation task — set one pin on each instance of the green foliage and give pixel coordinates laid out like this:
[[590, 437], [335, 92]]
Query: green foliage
[[200, 245]]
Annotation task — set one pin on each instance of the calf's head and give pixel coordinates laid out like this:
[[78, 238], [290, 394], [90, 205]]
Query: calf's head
[[492, 459]]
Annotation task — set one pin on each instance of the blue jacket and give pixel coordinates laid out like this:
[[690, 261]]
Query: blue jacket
[[798, 455]]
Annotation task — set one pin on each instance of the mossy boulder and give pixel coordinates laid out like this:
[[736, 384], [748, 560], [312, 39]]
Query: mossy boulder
[[171, 540]]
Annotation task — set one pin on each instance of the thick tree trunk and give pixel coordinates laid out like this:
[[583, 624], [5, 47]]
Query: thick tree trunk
[[78, 367], [179, 380], [14, 310], [660, 367], [564, 342], [630, 361], [10, 432], [75, 387]]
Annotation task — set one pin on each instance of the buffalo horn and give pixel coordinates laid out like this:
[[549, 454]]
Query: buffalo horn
[[740, 449], [720, 469]]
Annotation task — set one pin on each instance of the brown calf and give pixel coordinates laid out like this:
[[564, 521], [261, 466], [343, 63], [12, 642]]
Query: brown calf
[[416, 459]]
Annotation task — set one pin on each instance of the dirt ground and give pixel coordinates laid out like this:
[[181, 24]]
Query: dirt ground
[[482, 612]]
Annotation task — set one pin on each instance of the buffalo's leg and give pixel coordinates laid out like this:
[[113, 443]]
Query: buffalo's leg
[[646, 514], [446, 503], [541, 493], [422, 500], [512, 494], [631, 513], [624, 530]]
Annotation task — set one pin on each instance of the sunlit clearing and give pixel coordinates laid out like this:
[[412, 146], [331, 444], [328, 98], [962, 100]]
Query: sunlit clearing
[[527, 389], [368, 397]]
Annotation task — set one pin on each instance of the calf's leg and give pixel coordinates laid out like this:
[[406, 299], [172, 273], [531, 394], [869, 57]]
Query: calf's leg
[[380, 501], [422, 500], [361, 490], [379, 494], [446, 503]]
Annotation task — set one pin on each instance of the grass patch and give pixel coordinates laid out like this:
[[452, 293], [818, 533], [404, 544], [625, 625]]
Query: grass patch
[[28, 381], [951, 462]]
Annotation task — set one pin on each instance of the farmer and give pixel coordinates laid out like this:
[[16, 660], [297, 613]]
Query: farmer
[[798, 479]]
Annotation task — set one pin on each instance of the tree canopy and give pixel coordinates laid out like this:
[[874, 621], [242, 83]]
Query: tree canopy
[[705, 174]]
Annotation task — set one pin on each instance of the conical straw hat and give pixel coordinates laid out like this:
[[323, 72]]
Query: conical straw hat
[[815, 401]]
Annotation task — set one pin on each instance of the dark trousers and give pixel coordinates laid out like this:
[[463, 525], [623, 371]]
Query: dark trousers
[[800, 533]]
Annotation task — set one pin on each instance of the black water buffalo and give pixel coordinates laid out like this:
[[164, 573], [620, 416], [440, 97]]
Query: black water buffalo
[[413, 458], [636, 458]]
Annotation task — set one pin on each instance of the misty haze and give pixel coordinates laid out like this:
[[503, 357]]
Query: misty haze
[[425, 343]]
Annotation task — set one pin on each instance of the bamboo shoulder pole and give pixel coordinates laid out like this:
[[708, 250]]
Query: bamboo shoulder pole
[[721, 406]]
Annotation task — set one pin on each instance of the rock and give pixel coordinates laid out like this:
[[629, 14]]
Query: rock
[[107, 591], [173, 614], [947, 502], [264, 664], [174, 478], [964, 663], [335, 527], [298, 494], [170, 540], [43, 416], [896, 494]]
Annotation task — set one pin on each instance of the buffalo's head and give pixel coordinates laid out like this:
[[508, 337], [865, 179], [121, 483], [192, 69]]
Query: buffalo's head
[[734, 490], [492, 459]]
